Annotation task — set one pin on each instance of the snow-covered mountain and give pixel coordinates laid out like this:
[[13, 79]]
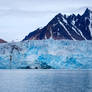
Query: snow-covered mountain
[[73, 27]]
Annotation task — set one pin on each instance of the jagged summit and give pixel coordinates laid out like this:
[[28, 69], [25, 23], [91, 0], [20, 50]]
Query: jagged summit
[[87, 13], [73, 27]]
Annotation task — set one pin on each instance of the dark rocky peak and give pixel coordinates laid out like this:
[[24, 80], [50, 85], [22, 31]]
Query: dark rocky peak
[[78, 16], [55, 19], [87, 13], [59, 15]]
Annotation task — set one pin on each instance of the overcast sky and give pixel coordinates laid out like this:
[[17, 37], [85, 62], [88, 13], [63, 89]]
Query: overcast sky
[[19, 17]]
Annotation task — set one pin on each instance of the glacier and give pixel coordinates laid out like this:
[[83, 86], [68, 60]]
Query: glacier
[[46, 54]]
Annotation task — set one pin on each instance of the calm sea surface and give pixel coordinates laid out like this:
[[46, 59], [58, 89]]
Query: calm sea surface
[[46, 80]]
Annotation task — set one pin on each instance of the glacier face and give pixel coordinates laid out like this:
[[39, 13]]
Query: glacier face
[[46, 54]]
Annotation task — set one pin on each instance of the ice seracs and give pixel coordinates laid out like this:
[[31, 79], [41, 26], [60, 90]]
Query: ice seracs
[[55, 54]]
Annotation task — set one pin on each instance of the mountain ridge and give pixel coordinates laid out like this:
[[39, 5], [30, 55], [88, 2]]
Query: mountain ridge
[[73, 27]]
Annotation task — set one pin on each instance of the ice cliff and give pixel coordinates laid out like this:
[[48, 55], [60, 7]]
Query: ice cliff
[[46, 54]]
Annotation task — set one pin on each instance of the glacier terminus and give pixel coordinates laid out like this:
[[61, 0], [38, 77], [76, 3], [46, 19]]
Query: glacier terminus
[[46, 54]]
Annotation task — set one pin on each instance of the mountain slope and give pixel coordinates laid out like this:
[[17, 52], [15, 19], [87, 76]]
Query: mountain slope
[[2, 41], [73, 27]]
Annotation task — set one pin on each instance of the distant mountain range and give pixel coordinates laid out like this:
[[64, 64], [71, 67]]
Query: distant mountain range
[[73, 27]]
